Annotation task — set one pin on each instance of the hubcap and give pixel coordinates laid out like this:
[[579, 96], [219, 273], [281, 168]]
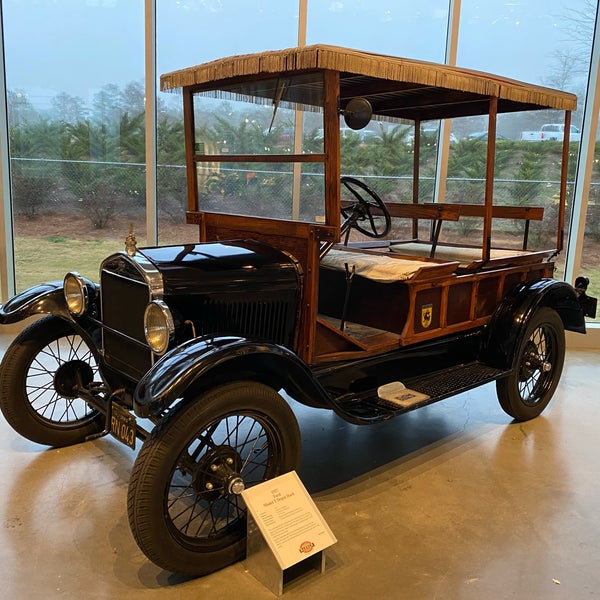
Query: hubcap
[[533, 362], [219, 471], [236, 485], [72, 376]]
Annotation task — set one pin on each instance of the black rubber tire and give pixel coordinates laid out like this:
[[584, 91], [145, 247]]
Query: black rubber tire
[[528, 389], [29, 396], [178, 521]]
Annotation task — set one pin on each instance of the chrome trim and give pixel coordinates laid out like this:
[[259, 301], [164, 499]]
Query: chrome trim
[[151, 275], [169, 324], [83, 292]]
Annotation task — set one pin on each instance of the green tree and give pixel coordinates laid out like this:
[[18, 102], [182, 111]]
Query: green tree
[[67, 109], [132, 138]]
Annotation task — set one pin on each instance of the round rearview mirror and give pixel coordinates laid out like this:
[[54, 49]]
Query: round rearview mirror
[[358, 113]]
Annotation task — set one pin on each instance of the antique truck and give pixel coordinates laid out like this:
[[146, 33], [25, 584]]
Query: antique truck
[[304, 284]]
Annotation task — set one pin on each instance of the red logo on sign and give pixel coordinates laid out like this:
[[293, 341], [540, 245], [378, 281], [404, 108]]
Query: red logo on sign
[[306, 547]]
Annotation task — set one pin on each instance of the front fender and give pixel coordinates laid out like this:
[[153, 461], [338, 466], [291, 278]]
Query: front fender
[[205, 362], [43, 299], [512, 316]]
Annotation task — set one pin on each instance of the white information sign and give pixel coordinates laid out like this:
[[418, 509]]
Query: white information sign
[[288, 519]]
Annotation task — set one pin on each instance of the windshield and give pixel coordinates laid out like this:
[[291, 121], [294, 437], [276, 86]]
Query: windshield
[[258, 148]]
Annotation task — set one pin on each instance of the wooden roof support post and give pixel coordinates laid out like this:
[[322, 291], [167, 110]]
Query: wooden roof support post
[[564, 169], [331, 125], [190, 134], [416, 174], [489, 178]]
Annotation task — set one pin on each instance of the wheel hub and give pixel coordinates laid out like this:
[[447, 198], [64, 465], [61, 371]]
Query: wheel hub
[[72, 376], [533, 362], [218, 472]]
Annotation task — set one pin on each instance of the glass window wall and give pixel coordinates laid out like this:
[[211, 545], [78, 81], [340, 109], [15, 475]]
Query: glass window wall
[[590, 259], [550, 44], [190, 33], [76, 118], [76, 132], [414, 30]]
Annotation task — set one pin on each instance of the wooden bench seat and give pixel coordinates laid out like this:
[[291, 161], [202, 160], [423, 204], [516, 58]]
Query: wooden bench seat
[[467, 257], [384, 267], [440, 212]]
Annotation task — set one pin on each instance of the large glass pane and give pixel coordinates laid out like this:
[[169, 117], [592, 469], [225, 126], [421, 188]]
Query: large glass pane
[[190, 33], [542, 41], [281, 120], [261, 117], [76, 126], [590, 260], [414, 30]]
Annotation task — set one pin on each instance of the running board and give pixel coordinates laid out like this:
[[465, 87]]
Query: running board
[[398, 397]]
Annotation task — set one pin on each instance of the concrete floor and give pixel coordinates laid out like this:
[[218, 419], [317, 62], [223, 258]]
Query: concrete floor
[[451, 501]]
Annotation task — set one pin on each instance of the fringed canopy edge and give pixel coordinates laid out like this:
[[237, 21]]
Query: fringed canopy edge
[[378, 66]]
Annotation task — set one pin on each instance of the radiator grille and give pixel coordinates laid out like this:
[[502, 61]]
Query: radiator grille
[[123, 304], [268, 320]]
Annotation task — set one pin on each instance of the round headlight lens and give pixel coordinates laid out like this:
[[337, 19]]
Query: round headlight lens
[[76, 294], [158, 326]]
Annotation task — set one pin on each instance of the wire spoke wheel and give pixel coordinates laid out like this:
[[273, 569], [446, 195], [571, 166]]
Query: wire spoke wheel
[[536, 369], [235, 451], [528, 389], [184, 500], [40, 376], [52, 376]]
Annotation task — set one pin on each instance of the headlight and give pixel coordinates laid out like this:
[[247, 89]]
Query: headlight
[[76, 294], [158, 326]]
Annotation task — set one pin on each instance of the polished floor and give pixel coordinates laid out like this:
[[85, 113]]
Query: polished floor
[[453, 501]]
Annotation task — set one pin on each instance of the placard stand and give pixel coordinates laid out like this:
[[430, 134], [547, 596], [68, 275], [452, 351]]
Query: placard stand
[[263, 566], [286, 534]]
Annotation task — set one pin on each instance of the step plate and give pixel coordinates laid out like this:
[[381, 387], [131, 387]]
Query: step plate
[[453, 381], [381, 404]]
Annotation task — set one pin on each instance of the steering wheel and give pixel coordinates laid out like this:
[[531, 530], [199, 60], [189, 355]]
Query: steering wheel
[[362, 210]]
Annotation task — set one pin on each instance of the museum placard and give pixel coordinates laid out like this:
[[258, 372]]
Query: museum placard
[[288, 519]]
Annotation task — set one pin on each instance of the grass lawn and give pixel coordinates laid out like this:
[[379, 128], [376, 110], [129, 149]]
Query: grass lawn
[[46, 259], [39, 260]]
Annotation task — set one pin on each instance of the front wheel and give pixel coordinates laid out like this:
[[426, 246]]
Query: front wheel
[[529, 387], [184, 503], [39, 376]]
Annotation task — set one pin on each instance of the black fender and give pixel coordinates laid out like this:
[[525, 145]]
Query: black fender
[[43, 299], [511, 317], [205, 362]]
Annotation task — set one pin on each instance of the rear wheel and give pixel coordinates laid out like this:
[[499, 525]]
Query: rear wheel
[[528, 389], [39, 376], [184, 503]]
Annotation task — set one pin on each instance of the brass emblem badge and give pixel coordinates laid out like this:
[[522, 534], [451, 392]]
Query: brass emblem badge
[[426, 315]]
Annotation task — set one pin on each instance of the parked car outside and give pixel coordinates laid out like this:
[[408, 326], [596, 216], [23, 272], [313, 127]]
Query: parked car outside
[[483, 135], [551, 132]]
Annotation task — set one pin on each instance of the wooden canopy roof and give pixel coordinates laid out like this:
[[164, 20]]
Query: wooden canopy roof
[[396, 87]]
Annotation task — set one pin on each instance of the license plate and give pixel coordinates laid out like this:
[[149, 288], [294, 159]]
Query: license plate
[[122, 426]]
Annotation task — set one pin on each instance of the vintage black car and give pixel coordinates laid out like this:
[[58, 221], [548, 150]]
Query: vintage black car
[[304, 283]]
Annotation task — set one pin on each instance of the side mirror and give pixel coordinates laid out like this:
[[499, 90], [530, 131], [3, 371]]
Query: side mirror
[[358, 113]]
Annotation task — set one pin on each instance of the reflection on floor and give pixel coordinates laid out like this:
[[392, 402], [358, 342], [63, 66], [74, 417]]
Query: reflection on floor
[[451, 501]]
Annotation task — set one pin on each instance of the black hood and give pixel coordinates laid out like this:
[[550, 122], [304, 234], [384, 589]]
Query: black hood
[[222, 266]]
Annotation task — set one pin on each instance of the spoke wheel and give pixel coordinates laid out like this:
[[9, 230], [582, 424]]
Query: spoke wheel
[[184, 502], [528, 389], [39, 377]]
